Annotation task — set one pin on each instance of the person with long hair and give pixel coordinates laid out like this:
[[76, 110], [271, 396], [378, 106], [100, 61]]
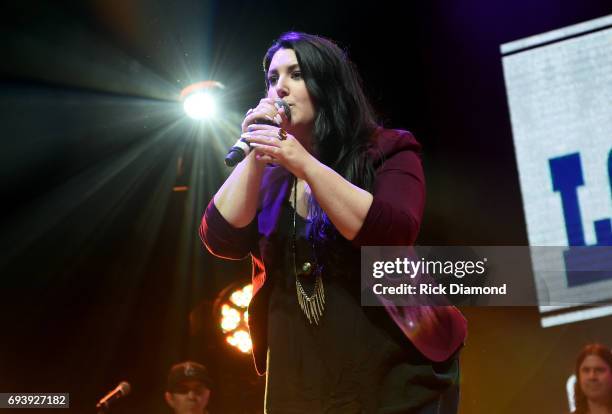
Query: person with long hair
[[593, 388], [322, 180]]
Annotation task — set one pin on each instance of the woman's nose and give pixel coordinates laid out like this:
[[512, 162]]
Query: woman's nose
[[281, 88], [282, 92]]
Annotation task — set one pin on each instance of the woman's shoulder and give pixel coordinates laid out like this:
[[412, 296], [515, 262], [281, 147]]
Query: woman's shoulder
[[387, 142]]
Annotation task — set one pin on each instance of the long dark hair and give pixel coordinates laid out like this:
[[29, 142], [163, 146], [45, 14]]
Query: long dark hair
[[345, 119], [591, 349]]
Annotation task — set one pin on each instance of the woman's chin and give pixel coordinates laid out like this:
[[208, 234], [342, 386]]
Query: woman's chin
[[296, 127]]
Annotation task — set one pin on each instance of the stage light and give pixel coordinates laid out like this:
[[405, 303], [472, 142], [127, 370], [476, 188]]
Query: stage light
[[199, 99], [241, 340], [242, 297], [200, 105], [231, 309]]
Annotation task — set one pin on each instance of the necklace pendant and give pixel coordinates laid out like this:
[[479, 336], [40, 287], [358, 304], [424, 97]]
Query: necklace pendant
[[307, 268], [312, 306]]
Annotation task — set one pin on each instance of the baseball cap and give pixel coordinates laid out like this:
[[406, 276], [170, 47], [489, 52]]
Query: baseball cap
[[187, 371]]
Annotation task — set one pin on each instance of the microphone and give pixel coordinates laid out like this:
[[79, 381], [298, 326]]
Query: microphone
[[242, 148], [121, 391]]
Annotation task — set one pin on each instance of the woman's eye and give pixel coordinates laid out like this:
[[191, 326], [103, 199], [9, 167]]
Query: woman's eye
[[296, 75], [272, 80]]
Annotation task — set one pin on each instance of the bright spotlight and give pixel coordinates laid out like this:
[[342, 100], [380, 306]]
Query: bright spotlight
[[231, 309], [200, 105], [199, 99], [241, 340]]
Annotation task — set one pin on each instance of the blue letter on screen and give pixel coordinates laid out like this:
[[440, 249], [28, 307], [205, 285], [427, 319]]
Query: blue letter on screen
[[582, 265]]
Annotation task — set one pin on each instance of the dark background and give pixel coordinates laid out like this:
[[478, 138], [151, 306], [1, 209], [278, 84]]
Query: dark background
[[103, 277]]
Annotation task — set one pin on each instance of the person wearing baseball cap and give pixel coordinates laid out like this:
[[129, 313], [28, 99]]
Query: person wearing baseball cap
[[188, 388]]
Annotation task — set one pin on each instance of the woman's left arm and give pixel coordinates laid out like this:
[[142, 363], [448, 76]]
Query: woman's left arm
[[345, 204], [391, 215]]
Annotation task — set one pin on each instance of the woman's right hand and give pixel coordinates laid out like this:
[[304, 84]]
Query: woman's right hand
[[265, 110], [238, 198]]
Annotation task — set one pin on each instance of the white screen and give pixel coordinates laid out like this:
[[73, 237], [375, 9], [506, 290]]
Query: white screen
[[559, 87]]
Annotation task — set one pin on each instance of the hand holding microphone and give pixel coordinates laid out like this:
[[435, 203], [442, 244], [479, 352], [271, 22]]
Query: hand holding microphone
[[268, 112]]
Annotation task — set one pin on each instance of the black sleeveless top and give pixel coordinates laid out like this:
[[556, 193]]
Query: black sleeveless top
[[355, 360]]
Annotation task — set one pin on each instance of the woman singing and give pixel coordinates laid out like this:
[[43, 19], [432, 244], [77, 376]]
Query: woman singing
[[322, 182]]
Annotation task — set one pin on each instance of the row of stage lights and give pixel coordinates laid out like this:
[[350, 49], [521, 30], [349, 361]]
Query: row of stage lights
[[233, 316]]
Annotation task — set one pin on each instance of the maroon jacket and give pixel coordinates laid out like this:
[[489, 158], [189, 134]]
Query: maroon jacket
[[394, 218]]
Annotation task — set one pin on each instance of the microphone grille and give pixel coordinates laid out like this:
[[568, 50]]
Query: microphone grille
[[125, 387], [286, 106]]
